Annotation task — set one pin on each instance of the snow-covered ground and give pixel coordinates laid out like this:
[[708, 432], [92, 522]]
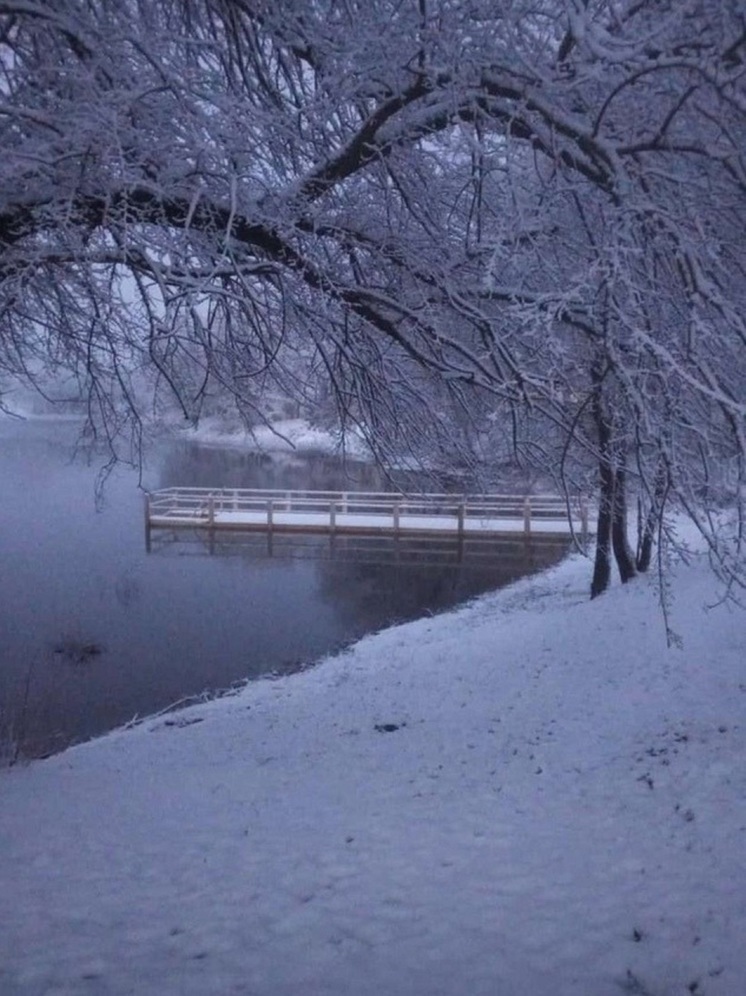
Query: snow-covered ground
[[531, 796]]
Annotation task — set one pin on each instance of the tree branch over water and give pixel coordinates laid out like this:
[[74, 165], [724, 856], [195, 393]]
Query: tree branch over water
[[477, 207]]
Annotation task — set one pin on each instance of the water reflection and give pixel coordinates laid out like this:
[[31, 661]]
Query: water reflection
[[377, 580]]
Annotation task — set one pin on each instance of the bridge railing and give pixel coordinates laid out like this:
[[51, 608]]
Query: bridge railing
[[272, 507]]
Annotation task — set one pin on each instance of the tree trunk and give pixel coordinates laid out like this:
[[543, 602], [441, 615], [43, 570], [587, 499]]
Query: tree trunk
[[645, 552], [602, 563], [647, 533], [622, 552], [612, 510]]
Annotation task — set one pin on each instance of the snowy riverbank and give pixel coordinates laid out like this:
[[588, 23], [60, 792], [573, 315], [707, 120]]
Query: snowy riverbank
[[531, 796], [283, 435], [280, 435]]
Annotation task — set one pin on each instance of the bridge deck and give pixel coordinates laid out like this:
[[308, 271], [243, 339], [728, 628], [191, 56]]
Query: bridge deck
[[350, 512]]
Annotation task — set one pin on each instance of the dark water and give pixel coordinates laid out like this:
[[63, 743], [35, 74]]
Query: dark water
[[95, 631]]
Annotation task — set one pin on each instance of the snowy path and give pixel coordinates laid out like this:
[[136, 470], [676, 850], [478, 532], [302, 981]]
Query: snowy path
[[560, 811]]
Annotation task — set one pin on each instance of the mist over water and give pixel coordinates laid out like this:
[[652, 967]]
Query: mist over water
[[94, 631]]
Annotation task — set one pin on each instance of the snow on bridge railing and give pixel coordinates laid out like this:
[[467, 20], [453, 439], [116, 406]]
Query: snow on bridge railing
[[267, 509]]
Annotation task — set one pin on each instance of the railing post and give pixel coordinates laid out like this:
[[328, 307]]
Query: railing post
[[344, 502], [211, 522], [332, 516], [397, 509], [147, 522], [527, 516], [269, 515], [461, 515]]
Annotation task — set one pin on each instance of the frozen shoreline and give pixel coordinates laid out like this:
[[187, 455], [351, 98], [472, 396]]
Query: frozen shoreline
[[529, 794]]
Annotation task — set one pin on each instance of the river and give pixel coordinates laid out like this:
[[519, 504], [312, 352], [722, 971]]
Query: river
[[95, 631]]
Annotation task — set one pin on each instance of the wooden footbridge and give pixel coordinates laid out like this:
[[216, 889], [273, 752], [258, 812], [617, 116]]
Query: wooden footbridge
[[363, 512]]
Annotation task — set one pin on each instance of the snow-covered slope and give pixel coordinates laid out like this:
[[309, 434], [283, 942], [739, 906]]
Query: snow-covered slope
[[531, 796]]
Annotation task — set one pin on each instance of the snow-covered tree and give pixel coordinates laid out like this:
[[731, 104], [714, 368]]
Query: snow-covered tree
[[529, 213]]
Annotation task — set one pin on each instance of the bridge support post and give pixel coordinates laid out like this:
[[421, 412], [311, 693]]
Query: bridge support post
[[147, 523], [211, 522]]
